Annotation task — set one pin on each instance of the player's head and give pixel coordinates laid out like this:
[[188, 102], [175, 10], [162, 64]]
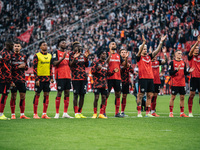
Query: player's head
[[102, 55], [17, 47], [178, 54], [113, 46], [123, 52], [43, 46], [144, 51], [9, 45], [61, 43], [77, 47], [196, 51]]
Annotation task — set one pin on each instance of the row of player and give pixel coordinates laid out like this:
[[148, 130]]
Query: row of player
[[107, 72]]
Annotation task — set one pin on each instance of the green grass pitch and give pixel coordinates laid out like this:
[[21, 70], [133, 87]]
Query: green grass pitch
[[99, 134]]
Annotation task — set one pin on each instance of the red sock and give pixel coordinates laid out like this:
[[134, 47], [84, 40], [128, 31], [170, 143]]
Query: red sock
[[123, 105], [35, 103], [182, 109], [66, 104], [102, 109], [153, 103], [105, 105], [148, 110], [95, 110], [57, 104], [139, 109], [171, 109], [190, 103], [75, 109], [3, 102], [117, 106], [12, 105], [22, 105], [45, 103]]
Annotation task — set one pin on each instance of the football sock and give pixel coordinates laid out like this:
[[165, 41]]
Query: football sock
[[123, 105], [139, 109], [57, 104], [117, 106], [75, 109], [190, 103], [22, 105], [102, 109], [12, 105], [95, 110], [45, 104], [171, 109], [66, 104], [35, 103], [3, 102], [105, 105], [182, 110]]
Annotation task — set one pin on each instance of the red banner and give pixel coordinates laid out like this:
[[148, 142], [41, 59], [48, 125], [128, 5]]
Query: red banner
[[26, 35]]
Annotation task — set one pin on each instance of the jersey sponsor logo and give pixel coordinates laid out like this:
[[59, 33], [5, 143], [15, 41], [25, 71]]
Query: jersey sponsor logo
[[44, 62], [155, 66], [104, 68], [115, 60], [45, 57], [17, 63], [176, 68], [13, 58], [147, 61], [196, 60], [81, 60]]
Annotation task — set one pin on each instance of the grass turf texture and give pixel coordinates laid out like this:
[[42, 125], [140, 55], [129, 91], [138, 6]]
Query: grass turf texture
[[112, 133]]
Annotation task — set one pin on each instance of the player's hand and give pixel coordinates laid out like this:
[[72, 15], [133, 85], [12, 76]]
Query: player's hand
[[22, 66], [12, 85], [116, 69], [199, 38], [163, 38], [150, 49], [143, 39], [191, 70], [178, 67], [77, 54], [64, 55], [87, 53], [127, 54], [37, 83], [99, 66], [52, 81]]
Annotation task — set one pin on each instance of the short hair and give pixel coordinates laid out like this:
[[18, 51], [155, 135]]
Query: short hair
[[60, 40], [41, 43], [100, 52], [17, 42], [122, 49], [8, 42], [75, 43], [141, 45], [178, 50]]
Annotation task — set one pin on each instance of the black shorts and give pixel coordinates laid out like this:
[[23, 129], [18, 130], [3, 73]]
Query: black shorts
[[125, 88], [79, 86], [162, 84], [5, 88], [178, 89], [19, 86], [103, 91], [146, 85], [156, 88], [116, 84], [63, 84], [45, 86], [195, 84]]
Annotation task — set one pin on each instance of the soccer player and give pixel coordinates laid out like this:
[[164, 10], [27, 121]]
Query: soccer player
[[78, 62], [194, 62], [100, 71], [155, 67], [125, 80], [5, 76], [19, 65], [177, 71], [146, 75], [42, 66], [114, 61], [63, 77]]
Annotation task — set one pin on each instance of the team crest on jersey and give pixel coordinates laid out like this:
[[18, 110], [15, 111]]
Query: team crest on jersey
[[117, 56], [22, 58], [183, 64], [156, 62], [175, 64], [54, 55], [169, 67], [0, 56]]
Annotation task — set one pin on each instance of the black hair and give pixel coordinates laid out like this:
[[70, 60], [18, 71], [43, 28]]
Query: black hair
[[41, 43], [60, 40], [100, 52], [8, 42], [17, 42], [178, 50]]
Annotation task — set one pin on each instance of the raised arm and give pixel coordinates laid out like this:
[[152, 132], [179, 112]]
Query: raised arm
[[193, 47], [159, 46], [165, 55], [142, 46]]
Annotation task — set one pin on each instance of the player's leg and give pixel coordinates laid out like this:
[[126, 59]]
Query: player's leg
[[192, 94], [5, 91], [117, 88], [148, 104], [83, 90], [110, 85], [171, 105], [22, 105], [66, 104], [103, 99], [96, 98], [57, 103], [38, 90], [154, 99], [142, 87], [123, 104], [76, 85], [13, 103], [182, 93]]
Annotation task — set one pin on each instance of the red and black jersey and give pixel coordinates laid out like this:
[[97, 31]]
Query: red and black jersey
[[115, 62], [78, 67], [144, 66], [62, 71], [194, 62], [5, 66], [18, 74], [100, 75], [41, 78], [125, 73], [177, 77], [155, 67]]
